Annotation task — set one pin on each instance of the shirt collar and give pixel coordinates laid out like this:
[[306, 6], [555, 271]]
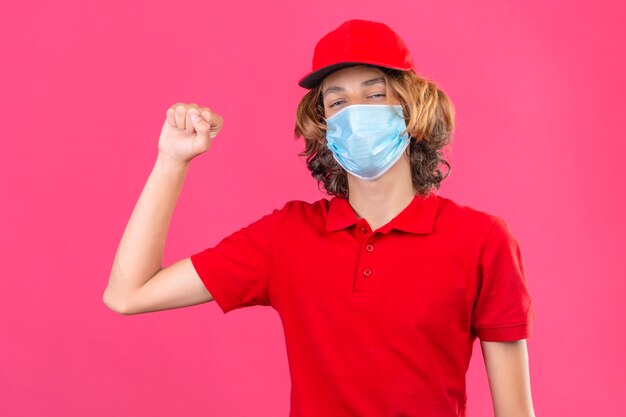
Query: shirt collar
[[417, 217]]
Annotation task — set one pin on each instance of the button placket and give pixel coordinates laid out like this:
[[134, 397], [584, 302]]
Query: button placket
[[363, 283], [365, 279], [368, 271]]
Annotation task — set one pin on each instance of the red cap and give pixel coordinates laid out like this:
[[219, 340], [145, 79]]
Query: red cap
[[357, 42]]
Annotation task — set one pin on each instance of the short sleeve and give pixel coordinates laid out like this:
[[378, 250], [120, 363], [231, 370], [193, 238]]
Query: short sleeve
[[237, 270], [503, 309]]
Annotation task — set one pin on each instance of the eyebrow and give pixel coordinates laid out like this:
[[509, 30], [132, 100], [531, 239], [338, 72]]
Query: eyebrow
[[337, 89]]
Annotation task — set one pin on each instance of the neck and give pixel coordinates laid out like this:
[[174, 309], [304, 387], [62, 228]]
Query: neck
[[381, 200]]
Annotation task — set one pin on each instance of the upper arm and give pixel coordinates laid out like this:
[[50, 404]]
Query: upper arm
[[503, 309], [509, 381], [238, 268], [177, 285]]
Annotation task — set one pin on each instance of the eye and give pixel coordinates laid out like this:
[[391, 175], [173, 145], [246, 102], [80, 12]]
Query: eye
[[376, 95], [336, 103]]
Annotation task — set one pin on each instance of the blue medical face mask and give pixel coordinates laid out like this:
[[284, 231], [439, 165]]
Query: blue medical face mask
[[366, 139]]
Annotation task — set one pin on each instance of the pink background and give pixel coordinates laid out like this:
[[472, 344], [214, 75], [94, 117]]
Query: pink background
[[539, 91]]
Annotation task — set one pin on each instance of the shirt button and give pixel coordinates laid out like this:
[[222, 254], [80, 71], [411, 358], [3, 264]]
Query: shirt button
[[362, 229], [369, 247], [367, 272]]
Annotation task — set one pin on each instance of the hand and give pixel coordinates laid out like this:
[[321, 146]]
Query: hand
[[188, 131]]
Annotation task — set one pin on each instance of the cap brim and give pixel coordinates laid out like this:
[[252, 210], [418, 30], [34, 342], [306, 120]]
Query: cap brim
[[312, 79]]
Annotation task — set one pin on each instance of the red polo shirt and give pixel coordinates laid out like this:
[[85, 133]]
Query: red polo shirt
[[376, 323]]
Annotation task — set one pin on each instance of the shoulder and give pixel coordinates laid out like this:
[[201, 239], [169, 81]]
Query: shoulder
[[301, 211], [454, 209], [295, 207], [467, 217]]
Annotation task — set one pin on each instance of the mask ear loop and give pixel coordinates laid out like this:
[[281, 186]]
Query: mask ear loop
[[407, 151]]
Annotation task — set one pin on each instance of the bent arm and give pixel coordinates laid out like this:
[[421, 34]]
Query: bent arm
[[139, 255], [509, 379]]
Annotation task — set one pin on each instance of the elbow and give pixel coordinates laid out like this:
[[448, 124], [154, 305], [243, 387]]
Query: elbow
[[116, 303]]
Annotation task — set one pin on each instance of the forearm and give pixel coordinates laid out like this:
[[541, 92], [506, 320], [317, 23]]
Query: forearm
[[140, 252], [509, 379]]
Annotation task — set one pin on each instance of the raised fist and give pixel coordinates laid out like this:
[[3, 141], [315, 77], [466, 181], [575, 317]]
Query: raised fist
[[188, 131]]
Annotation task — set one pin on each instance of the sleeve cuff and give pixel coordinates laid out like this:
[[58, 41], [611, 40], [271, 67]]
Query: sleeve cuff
[[211, 283], [505, 333]]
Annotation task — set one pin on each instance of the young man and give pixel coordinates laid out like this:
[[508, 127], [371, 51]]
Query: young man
[[382, 289]]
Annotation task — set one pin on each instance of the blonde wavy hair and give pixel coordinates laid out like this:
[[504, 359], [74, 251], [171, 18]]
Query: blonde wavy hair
[[429, 115]]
